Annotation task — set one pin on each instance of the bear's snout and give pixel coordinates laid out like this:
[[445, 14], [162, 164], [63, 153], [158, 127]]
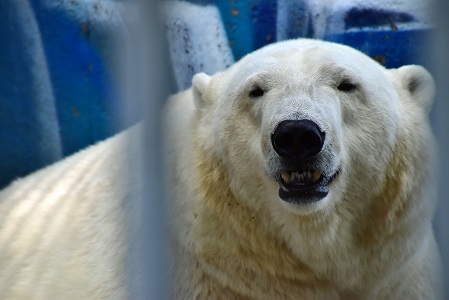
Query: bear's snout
[[297, 139]]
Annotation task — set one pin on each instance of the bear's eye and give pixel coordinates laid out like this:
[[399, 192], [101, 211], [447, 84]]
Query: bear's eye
[[256, 92], [346, 86]]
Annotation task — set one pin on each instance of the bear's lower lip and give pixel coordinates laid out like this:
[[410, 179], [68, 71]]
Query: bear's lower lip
[[303, 193], [304, 197], [307, 193]]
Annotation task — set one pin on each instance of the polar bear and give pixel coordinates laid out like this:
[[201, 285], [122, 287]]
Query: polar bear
[[304, 171]]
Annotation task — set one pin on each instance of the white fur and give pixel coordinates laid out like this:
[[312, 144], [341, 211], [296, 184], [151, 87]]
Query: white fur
[[366, 130], [62, 228]]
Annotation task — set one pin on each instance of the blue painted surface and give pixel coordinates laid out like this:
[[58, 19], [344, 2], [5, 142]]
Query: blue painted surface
[[57, 86], [248, 24], [57, 95], [263, 15], [238, 22], [86, 97], [203, 2], [357, 17], [293, 20], [29, 133], [390, 48]]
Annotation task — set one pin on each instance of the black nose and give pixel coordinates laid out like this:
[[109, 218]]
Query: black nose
[[297, 139]]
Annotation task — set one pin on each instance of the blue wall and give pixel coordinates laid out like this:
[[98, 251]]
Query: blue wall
[[59, 88], [57, 94]]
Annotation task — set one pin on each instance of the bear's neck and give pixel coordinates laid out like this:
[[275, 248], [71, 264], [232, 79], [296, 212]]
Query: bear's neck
[[238, 247]]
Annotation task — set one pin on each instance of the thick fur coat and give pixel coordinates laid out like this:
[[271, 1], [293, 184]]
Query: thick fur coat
[[370, 237], [251, 217]]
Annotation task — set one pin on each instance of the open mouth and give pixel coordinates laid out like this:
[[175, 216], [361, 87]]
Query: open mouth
[[304, 186]]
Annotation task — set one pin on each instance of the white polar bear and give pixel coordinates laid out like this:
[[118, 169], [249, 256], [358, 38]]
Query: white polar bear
[[304, 171]]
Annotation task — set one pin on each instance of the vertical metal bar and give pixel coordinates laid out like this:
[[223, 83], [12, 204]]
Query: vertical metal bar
[[442, 132], [146, 86]]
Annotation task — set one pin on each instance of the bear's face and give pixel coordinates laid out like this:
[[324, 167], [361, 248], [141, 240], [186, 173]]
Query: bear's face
[[306, 122]]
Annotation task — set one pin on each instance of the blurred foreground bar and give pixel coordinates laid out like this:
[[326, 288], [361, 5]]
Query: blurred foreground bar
[[440, 51], [145, 80]]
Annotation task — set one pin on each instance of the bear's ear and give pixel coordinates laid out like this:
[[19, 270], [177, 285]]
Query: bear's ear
[[419, 84], [200, 82]]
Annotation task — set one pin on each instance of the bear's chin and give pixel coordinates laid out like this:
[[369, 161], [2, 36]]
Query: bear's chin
[[300, 206]]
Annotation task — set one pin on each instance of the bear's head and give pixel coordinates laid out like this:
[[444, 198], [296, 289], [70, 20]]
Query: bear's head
[[309, 124]]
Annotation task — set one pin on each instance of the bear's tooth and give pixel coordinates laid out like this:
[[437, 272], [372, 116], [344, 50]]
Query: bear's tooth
[[309, 175], [286, 176], [316, 175], [295, 176]]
